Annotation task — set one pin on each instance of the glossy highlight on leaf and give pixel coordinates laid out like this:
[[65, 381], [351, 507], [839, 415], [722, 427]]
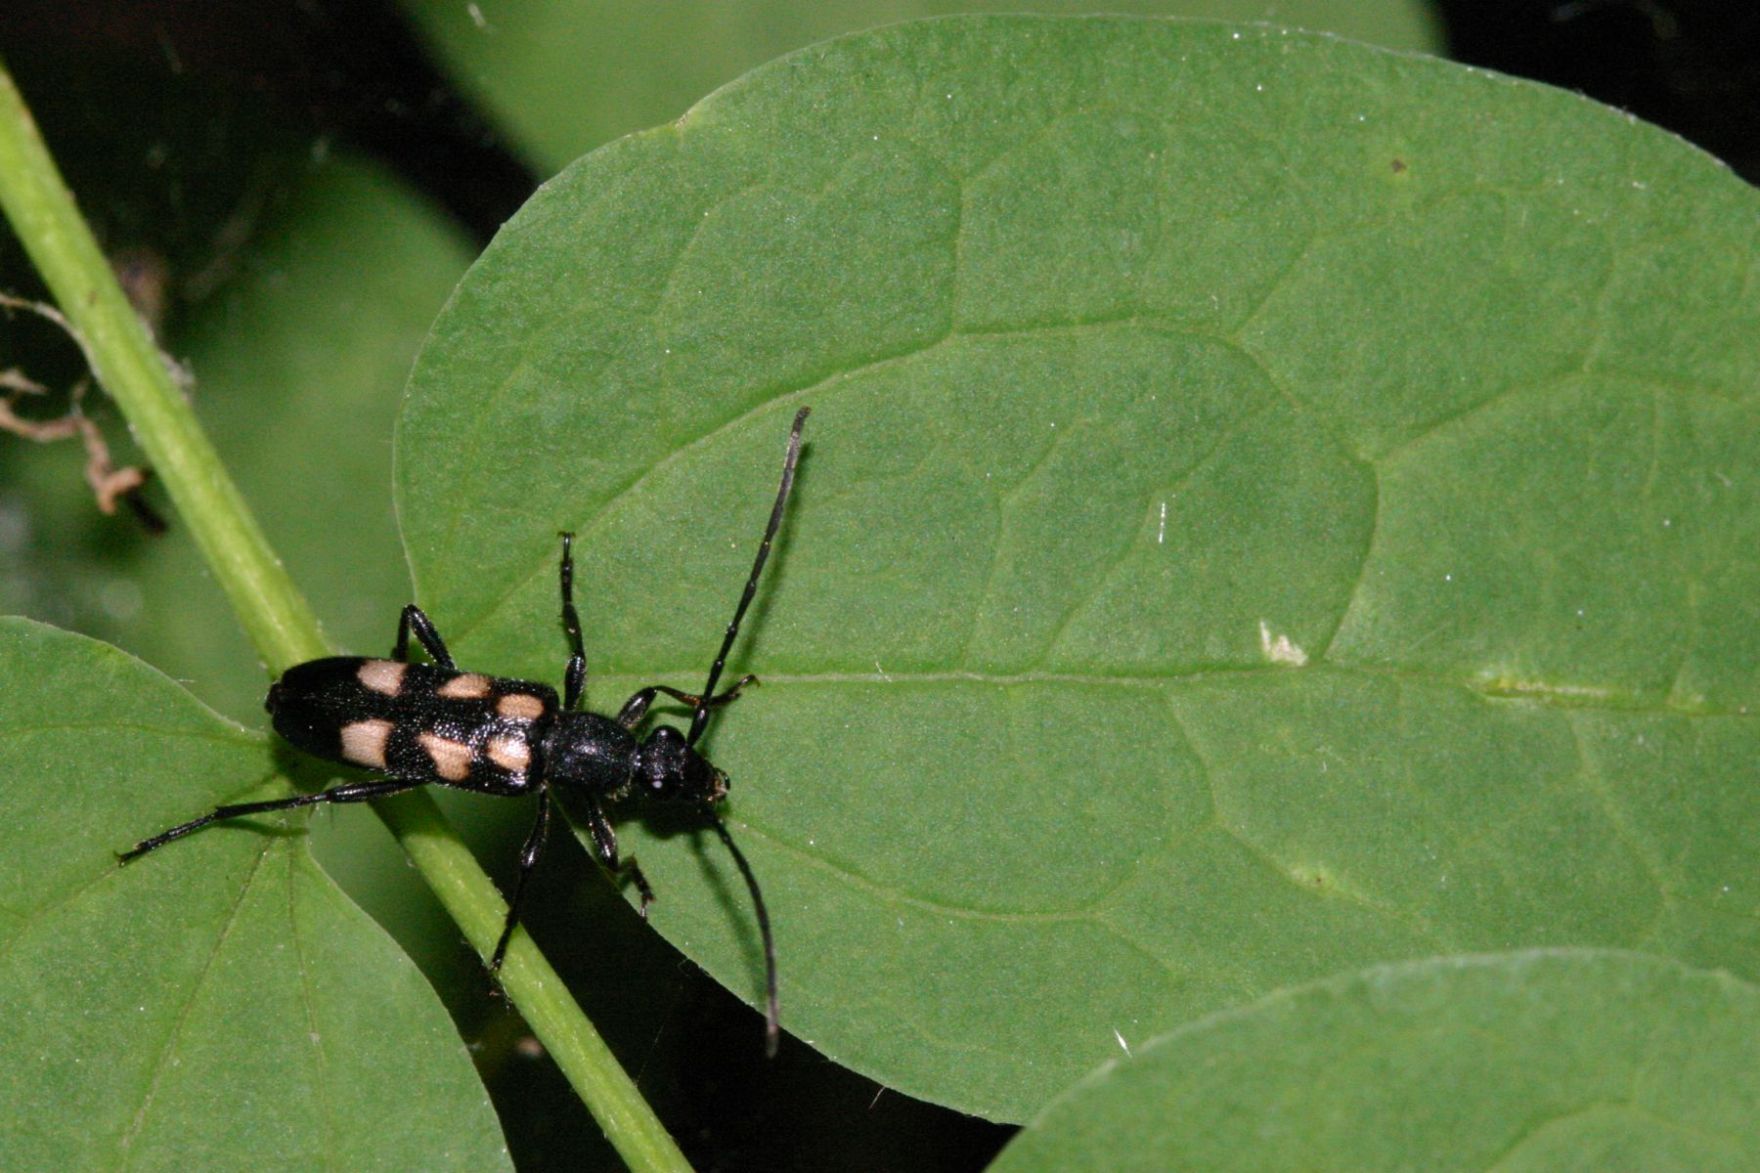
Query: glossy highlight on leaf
[[1273, 507]]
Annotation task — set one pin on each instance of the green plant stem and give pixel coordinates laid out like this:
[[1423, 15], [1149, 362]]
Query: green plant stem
[[275, 615]]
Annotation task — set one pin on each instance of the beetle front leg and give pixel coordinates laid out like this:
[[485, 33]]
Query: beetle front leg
[[636, 707]]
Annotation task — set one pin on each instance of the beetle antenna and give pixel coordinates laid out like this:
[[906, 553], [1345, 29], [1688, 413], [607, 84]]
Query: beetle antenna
[[772, 1020], [700, 718]]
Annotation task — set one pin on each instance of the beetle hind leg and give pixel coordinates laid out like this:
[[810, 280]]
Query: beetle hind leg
[[528, 862], [347, 792]]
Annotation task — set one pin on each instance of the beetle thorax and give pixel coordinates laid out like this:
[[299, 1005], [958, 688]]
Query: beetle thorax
[[590, 752]]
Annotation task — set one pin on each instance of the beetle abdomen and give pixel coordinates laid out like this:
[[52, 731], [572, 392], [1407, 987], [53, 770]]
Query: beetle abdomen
[[460, 729]]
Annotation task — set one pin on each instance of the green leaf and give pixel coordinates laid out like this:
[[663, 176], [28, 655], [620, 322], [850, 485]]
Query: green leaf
[[1271, 507], [564, 76], [219, 1003], [1574, 1059]]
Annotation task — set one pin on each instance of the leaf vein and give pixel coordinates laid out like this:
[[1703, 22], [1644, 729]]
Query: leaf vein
[[169, 1047]]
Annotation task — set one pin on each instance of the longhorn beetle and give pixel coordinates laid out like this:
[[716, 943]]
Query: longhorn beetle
[[431, 723]]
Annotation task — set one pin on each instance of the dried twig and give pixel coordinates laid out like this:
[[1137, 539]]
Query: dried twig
[[109, 483]]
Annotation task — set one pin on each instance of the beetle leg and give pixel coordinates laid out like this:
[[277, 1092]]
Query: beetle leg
[[414, 617], [528, 861], [605, 838], [636, 707], [347, 792]]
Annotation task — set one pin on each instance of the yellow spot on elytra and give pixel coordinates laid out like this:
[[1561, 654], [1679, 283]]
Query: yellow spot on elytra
[[467, 686], [384, 676], [520, 706], [452, 759], [363, 742], [512, 754]]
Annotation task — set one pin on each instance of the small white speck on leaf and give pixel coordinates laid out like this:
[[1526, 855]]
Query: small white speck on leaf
[[1507, 685], [1280, 649]]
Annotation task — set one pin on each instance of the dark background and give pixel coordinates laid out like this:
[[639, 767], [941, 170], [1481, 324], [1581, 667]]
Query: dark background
[[248, 94]]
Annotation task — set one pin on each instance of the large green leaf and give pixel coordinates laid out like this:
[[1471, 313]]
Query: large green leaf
[[1574, 1059], [218, 1004], [1271, 507], [566, 75]]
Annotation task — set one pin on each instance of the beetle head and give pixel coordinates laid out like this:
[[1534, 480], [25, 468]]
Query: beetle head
[[669, 769]]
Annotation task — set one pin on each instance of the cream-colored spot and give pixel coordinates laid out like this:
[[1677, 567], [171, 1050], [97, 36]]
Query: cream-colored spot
[[384, 676], [452, 759], [520, 706], [512, 754], [363, 742], [468, 686], [1279, 648]]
